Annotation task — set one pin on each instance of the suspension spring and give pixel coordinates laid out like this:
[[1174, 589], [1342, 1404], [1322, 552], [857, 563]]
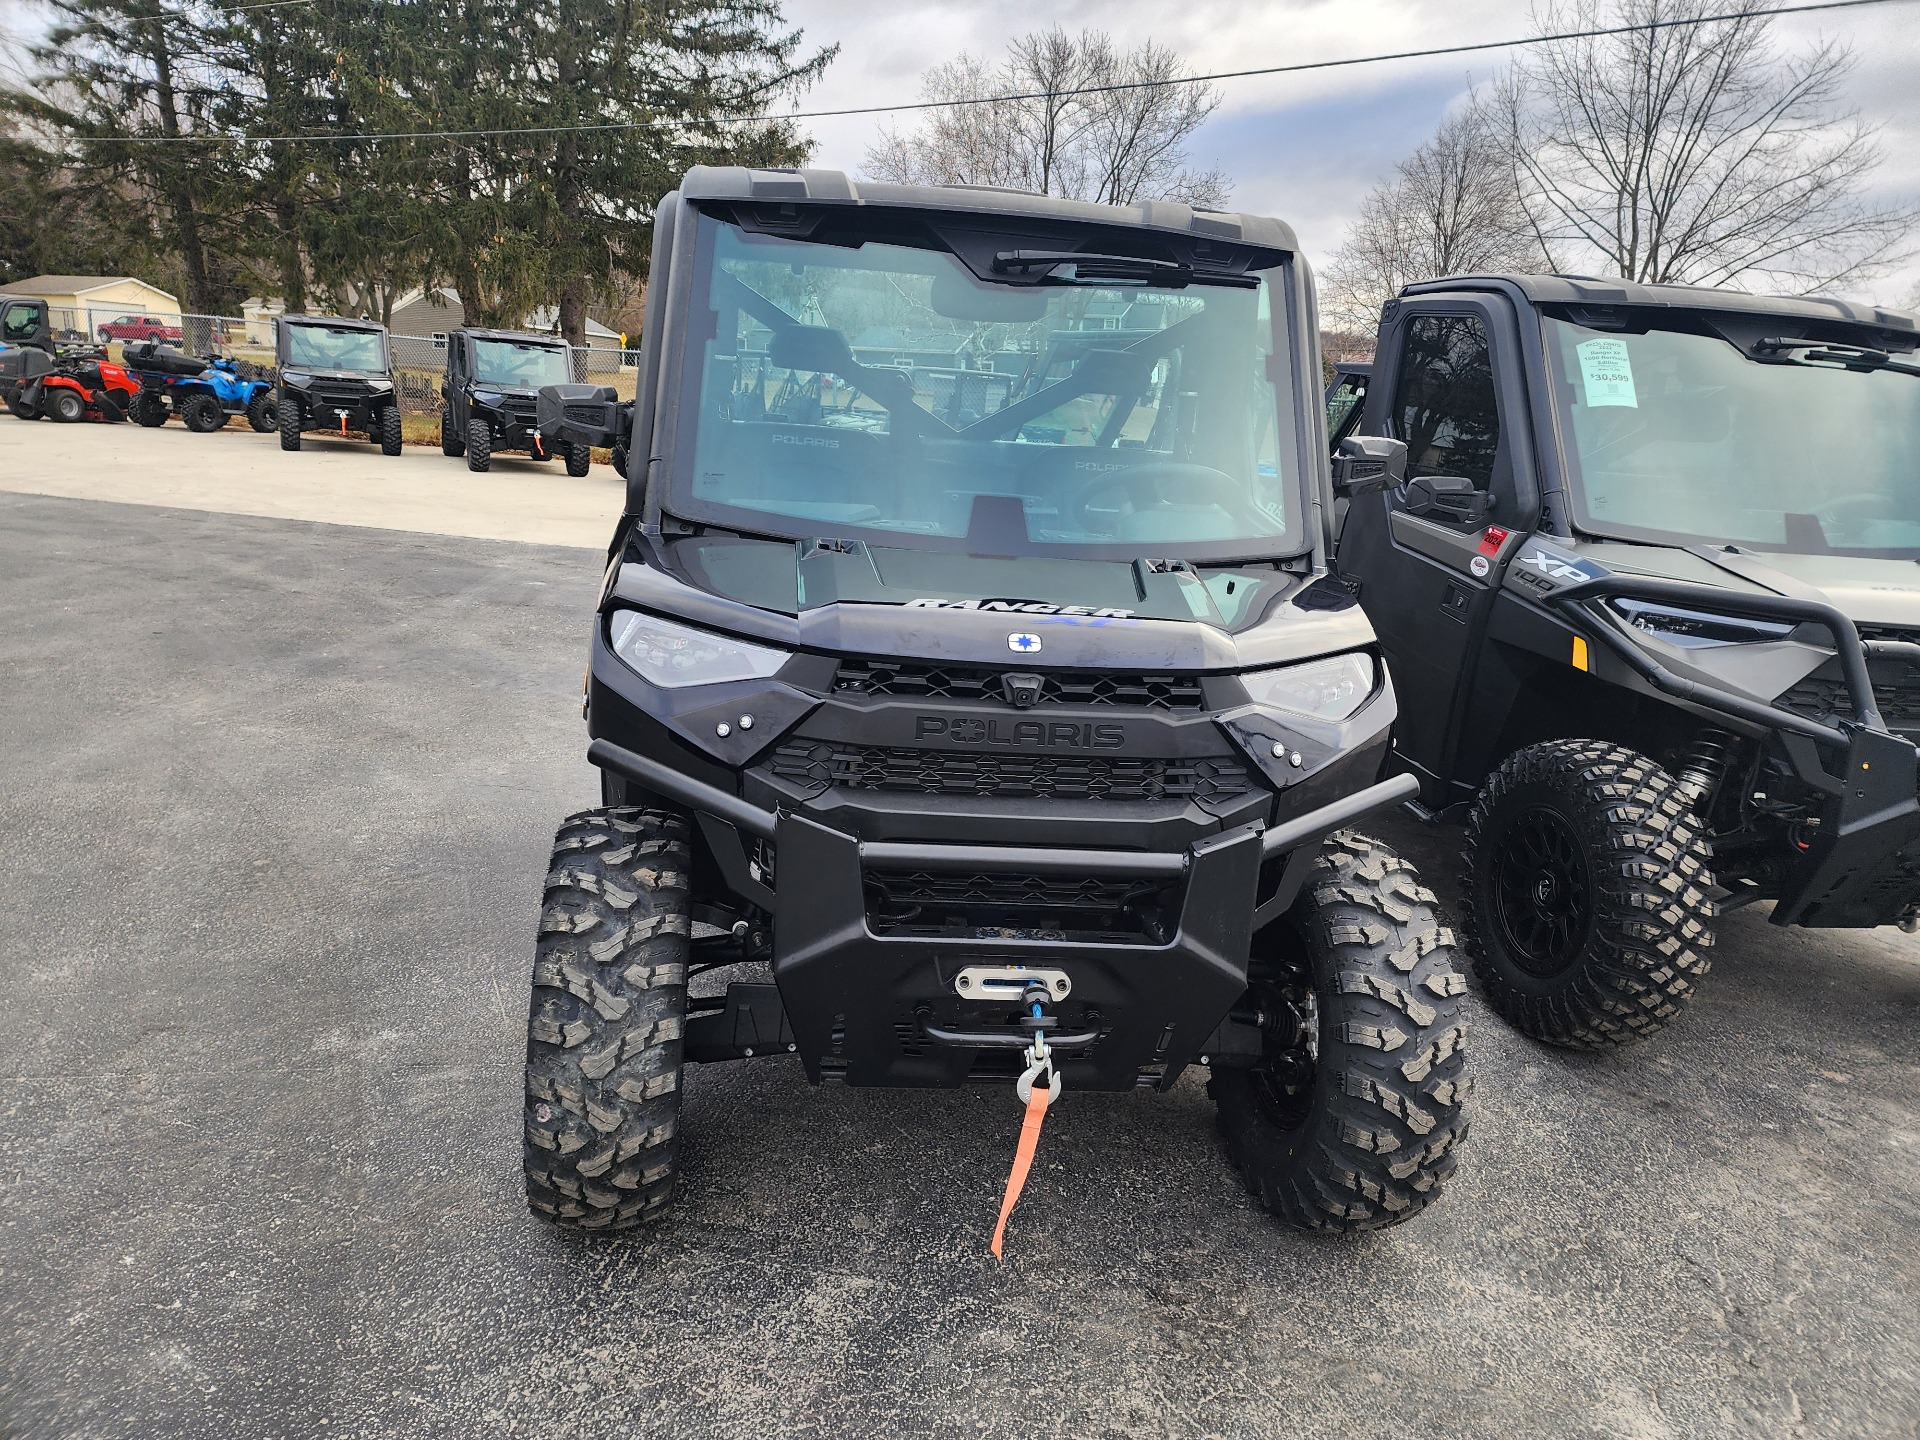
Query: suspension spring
[[1704, 767]]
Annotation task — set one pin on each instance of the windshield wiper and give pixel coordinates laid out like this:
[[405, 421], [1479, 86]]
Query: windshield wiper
[[1851, 357]]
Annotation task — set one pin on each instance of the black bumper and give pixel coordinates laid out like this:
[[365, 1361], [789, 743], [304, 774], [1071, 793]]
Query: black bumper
[[874, 1008]]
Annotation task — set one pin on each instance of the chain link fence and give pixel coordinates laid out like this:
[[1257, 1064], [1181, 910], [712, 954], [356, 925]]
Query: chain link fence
[[419, 361]]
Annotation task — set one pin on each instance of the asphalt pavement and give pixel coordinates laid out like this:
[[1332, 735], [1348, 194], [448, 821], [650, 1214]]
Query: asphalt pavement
[[276, 798]]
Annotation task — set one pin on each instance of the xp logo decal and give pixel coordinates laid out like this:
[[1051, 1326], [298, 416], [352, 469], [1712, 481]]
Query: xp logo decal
[[1023, 644], [1548, 569]]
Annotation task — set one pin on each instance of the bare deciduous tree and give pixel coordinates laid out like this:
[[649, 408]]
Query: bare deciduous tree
[[1451, 207], [1116, 145], [1695, 153]]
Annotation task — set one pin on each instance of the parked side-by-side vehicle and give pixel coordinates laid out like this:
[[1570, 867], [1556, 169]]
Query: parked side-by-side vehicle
[[335, 375], [490, 397], [968, 653], [1652, 575]]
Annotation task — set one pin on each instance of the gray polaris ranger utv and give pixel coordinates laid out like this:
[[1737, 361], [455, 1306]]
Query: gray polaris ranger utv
[[968, 656], [1650, 580]]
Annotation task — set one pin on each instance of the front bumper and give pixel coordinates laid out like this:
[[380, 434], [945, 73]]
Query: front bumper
[[872, 1008]]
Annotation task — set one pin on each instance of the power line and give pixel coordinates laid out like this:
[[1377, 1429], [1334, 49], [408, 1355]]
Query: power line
[[326, 137]]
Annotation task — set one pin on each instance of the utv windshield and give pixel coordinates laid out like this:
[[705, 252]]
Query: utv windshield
[[885, 387], [322, 347], [519, 364], [1686, 437]]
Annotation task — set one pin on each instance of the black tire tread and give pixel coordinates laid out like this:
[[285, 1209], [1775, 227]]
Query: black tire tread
[[263, 412], [1654, 911], [605, 1021], [289, 424], [479, 444], [1392, 1073], [202, 414], [450, 444], [392, 435], [579, 460]]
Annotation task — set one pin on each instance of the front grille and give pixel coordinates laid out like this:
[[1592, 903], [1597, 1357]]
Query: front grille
[[1896, 688], [922, 680], [1044, 777], [1019, 907]]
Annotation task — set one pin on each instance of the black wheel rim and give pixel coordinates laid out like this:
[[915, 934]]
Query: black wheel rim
[[1285, 1080], [1543, 892]]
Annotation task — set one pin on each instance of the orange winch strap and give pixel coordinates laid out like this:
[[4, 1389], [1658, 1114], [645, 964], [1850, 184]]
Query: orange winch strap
[[1022, 1158]]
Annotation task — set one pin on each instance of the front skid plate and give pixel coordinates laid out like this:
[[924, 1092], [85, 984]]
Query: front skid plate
[[855, 999]]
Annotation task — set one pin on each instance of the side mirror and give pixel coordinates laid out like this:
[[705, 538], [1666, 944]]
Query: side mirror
[[592, 413], [1448, 497], [1364, 464]]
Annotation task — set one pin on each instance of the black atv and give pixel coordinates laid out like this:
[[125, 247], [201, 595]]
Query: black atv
[[1650, 576], [968, 656], [490, 397], [335, 376]]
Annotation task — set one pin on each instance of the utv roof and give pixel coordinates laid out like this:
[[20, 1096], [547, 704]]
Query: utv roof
[[832, 187], [521, 337], [335, 322], [1590, 290]]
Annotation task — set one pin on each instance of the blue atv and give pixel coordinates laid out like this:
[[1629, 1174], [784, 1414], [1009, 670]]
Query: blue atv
[[203, 393]]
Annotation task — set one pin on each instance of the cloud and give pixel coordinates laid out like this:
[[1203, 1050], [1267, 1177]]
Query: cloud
[[1307, 147]]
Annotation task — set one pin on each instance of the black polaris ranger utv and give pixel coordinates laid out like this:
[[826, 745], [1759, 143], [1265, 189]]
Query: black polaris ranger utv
[[335, 375], [967, 654], [491, 394], [1650, 581]]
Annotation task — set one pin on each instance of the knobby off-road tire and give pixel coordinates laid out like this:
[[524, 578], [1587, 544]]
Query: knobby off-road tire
[[450, 444], [579, 460], [263, 412], [290, 418], [1613, 830], [147, 410], [66, 406], [620, 459], [1364, 1136], [479, 445], [202, 414], [391, 436], [604, 1028]]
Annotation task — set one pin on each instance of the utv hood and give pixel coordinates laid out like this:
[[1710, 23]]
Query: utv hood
[[849, 597], [1868, 591]]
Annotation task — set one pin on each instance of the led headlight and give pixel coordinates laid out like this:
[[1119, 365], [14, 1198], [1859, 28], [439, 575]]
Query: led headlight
[[1329, 689], [489, 398], [675, 655], [379, 384], [298, 382]]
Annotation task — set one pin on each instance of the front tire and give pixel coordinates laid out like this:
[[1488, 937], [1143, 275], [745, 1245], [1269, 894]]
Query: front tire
[[1352, 1118], [579, 459], [604, 1026], [202, 414], [1588, 882], [449, 442], [290, 424], [392, 436], [479, 445], [263, 412]]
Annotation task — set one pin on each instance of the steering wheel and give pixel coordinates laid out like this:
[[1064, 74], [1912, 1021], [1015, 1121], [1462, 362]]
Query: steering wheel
[[1217, 487]]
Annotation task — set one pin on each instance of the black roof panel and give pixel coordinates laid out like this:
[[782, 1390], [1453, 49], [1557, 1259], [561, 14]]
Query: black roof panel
[[1591, 290]]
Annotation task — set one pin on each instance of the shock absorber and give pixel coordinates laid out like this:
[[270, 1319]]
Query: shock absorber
[[1703, 768]]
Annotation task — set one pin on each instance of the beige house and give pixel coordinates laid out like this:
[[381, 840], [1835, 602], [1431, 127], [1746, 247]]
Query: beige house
[[86, 302]]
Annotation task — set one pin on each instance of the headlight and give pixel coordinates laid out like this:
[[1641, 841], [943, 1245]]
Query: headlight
[[379, 384], [486, 397], [674, 655], [298, 382], [1329, 689]]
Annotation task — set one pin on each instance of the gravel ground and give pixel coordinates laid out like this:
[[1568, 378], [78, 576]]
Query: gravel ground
[[277, 797]]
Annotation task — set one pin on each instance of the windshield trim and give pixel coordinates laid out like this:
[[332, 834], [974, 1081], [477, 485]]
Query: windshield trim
[[347, 327], [674, 501], [1573, 476]]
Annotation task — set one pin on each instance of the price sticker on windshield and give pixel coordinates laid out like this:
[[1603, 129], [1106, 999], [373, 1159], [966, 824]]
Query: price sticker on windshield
[[1608, 373]]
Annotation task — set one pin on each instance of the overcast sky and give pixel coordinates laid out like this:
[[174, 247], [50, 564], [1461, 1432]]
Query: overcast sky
[[1307, 147]]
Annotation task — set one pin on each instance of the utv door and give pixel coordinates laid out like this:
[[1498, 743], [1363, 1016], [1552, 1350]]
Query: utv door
[[454, 388], [1428, 554]]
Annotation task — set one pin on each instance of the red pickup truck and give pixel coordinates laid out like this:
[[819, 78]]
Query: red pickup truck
[[138, 327]]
